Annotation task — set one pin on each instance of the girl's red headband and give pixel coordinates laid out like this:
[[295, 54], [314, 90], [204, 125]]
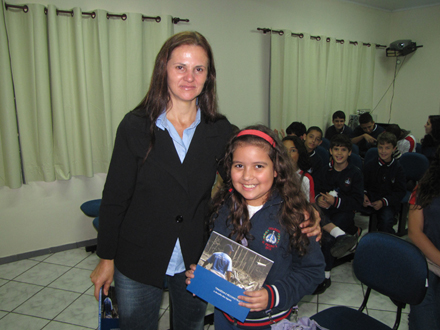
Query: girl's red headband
[[259, 134]]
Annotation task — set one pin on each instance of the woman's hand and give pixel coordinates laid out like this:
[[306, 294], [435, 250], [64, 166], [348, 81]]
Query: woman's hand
[[308, 228], [190, 274], [255, 300], [103, 276]]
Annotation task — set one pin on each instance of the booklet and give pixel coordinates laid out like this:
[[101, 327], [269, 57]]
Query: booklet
[[108, 310], [225, 270]]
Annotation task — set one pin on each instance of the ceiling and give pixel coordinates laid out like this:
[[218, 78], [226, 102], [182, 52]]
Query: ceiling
[[395, 5]]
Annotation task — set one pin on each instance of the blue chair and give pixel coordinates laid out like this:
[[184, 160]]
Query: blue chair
[[370, 154], [91, 209], [323, 154], [389, 265], [414, 166], [418, 148], [325, 143], [356, 160], [355, 149]]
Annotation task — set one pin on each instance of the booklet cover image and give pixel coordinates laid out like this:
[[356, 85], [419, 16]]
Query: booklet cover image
[[108, 310], [225, 270]]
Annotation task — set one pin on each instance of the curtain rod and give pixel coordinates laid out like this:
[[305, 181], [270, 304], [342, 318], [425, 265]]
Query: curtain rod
[[25, 9], [317, 38]]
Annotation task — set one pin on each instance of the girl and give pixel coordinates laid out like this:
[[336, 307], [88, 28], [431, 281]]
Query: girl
[[424, 231], [431, 140], [261, 206]]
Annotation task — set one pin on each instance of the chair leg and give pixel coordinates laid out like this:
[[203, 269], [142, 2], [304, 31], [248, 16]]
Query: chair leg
[[403, 216], [372, 225]]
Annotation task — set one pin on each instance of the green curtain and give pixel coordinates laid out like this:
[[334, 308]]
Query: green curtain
[[74, 78], [311, 79], [10, 166]]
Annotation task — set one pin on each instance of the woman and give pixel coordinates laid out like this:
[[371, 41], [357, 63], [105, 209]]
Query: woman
[[431, 140], [424, 231], [152, 216], [155, 200]]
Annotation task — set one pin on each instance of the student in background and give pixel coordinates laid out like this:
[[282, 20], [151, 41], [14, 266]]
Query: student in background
[[261, 206], [312, 140], [296, 128], [338, 127], [384, 182], [366, 133], [431, 140], [301, 164], [405, 141], [339, 186], [424, 232]]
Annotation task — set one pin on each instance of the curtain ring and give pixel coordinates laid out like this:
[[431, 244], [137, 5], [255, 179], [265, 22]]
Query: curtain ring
[[328, 39], [301, 35]]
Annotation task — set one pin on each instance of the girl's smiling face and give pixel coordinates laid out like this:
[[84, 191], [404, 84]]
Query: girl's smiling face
[[252, 173]]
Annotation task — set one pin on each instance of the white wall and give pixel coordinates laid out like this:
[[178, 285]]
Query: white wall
[[41, 215]]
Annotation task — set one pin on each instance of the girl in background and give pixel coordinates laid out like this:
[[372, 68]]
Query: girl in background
[[261, 206], [424, 231], [431, 140]]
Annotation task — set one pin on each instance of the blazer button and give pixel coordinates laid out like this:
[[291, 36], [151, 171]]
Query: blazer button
[[179, 219]]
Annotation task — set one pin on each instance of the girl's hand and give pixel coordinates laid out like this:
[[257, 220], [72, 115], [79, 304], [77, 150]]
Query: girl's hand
[[255, 300], [377, 205], [366, 201], [103, 276], [308, 228], [190, 274]]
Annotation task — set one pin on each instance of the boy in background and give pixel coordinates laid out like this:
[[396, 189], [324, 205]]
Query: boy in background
[[384, 181], [366, 133], [313, 139], [338, 127], [296, 128], [339, 187]]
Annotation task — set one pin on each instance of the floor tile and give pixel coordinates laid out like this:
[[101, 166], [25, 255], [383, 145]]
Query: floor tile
[[76, 280], [69, 257], [2, 282], [2, 314], [346, 294], [13, 294], [164, 320], [54, 325], [13, 269], [89, 263], [41, 258], [307, 309], [389, 318], [47, 303], [84, 312], [14, 321], [344, 274], [42, 274]]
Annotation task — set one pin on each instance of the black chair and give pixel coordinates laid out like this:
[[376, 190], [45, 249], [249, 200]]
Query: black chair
[[356, 160], [323, 154], [370, 154], [414, 165], [389, 265], [355, 149], [325, 143]]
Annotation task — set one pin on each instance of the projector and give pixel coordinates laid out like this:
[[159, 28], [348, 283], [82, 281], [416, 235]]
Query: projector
[[401, 48]]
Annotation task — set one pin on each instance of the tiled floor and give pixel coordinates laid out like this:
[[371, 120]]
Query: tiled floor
[[54, 292]]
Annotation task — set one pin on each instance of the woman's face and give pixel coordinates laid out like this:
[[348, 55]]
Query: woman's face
[[428, 127], [187, 70], [292, 152]]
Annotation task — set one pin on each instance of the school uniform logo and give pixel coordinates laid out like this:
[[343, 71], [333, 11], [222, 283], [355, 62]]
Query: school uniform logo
[[347, 182], [271, 238]]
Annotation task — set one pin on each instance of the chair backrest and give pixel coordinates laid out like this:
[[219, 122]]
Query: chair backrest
[[414, 165], [355, 149], [323, 154], [355, 160], [391, 266], [370, 154], [325, 143]]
